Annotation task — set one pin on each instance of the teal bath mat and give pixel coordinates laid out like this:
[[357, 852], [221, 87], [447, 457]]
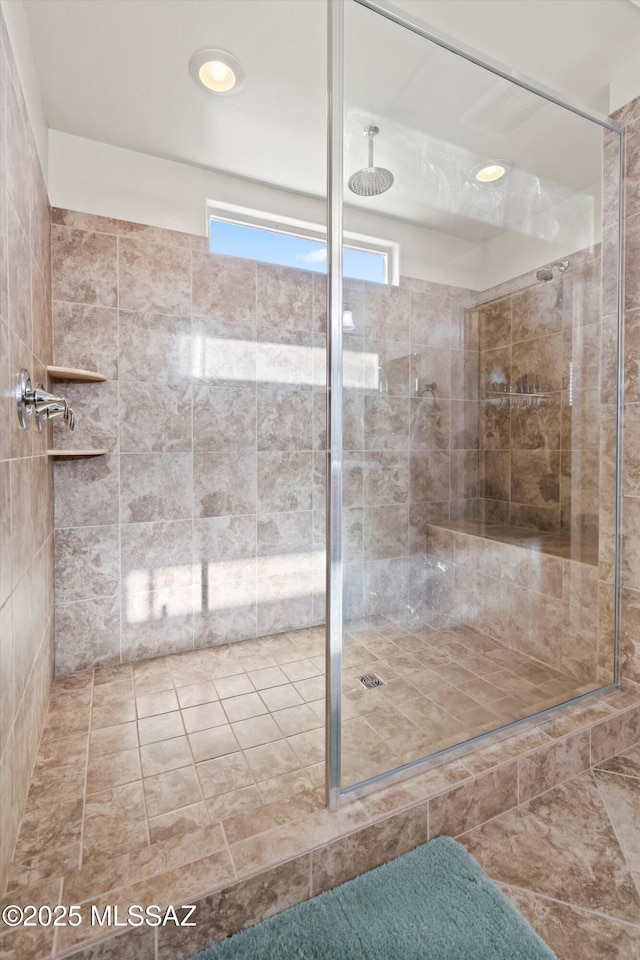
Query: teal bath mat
[[435, 903]]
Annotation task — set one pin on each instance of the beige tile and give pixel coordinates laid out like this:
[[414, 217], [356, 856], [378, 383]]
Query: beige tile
[[310, 689], [113, 713], [113, 770], [271, 760], [545, 768], [165, 755], [300, 670], [465, 806], [241, 708], [172, 790], [153, 277], [367, 848], [291, 839], [102, 841], [309, 747], [208, 744], [288, 784], [247, 903], [105, 740], [234, 802], [224, 774], [279, 698], [178, 822], [84, 268], [233, 686], [270, 677], [151, 704], [203, 716], [196, 693], [296, 719], [269, 815], [255, 731], [161, 726]]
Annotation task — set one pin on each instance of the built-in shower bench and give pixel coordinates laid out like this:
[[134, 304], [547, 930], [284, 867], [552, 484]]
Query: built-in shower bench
[[538, 592]]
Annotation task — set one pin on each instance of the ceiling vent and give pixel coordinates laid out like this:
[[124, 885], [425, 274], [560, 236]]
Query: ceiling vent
[[503, 110]]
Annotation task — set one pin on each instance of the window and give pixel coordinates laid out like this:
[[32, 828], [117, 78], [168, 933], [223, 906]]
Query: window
[[239, 232]]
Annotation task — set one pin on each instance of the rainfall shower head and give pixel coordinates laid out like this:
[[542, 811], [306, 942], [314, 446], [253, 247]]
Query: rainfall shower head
[[546, 273], [370, 181]]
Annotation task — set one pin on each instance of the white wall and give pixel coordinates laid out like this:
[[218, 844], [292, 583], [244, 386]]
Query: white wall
[[18, 29], [112, 182]]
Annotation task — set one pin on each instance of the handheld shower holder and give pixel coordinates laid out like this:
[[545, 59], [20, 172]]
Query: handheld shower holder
[[46, 405]]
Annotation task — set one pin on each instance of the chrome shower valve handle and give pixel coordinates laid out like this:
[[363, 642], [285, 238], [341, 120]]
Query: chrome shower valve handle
[[46, 405]]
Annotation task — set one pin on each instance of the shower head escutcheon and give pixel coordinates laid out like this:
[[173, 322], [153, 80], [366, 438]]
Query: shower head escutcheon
[[370, 181], [546, 273]]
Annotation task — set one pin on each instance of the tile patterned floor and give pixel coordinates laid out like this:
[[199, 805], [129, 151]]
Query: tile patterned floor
[[570, 861], [227, 743]]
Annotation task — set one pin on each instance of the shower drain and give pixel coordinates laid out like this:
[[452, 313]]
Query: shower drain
[[370, 680]]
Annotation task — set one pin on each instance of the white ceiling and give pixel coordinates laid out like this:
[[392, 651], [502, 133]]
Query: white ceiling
[[117, 71]]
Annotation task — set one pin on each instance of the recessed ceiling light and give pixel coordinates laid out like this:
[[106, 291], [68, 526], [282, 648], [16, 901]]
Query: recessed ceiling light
[[216, 70], [490, 171]]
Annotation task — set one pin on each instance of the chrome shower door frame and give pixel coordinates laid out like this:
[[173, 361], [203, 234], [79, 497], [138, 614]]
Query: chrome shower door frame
[[334, 551]]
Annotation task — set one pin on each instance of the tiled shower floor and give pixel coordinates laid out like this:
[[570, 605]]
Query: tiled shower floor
[[192, 754], [195, 761]]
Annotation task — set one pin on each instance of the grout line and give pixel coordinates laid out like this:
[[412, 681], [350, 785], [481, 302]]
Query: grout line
[[566, 903], [623, 850], [86, 773]]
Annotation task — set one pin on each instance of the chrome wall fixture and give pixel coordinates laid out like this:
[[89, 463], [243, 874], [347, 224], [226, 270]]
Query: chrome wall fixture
[[46, 405]]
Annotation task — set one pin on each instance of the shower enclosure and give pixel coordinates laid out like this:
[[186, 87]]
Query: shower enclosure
[[473, 400]]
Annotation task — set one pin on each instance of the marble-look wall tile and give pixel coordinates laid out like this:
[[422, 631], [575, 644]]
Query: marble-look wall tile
[[386, 478], [224, 483], [155, 486], [87, 562], [86, 492], [284, 298], [614, 735], [26, 505], [84, 267], [96, 413], [285, 418], [494, 324], [472, 803], [155, 418], [224, 417], [153, 347], [224, 288], [430, 424], [227, 545], [629, 636], [284, 481], [545, 768], [85, 634], [387, 312], [368, 848], [73, 347], [247, 902], [18, 277], [154, 278], [538, 311], [156, 555], [385, 532]]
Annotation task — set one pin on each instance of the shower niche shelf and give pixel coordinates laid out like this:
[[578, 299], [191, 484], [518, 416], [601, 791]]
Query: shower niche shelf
[[74, 373], [75, 454], [80, 376]]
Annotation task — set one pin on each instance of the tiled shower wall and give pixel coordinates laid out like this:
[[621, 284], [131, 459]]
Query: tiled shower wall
[[26, 508], [540, 358], [205, 522]]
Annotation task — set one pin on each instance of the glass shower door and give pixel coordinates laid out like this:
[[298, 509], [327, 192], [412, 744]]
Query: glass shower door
[[477, 421]]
